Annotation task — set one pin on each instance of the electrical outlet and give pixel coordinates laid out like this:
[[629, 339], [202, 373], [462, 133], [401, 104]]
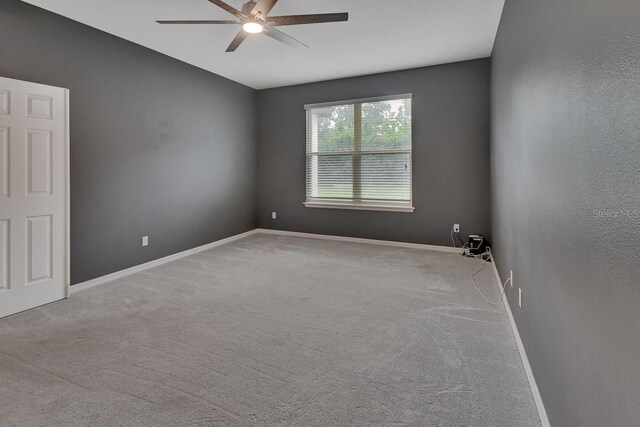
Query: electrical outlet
[[273, 215], [456, 228], [511, 277], [145, 240], [520, 297]]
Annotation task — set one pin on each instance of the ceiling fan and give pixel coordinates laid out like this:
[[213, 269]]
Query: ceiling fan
[[254, 19]]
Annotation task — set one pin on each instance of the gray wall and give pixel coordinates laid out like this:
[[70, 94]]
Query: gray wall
[[158, 147], [566, 157], [450, 155]]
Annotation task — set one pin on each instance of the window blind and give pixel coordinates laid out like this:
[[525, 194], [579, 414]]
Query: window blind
[[359, 152]]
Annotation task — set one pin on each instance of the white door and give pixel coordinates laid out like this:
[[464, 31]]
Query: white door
[[33, 195]]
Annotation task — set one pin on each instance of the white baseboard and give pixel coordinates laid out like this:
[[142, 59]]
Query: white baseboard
[[361, 240], [135, 269], [523, 354], [156, 262]]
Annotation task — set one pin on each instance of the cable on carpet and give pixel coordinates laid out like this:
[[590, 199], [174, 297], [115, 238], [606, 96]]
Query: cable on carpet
[[487, 258]]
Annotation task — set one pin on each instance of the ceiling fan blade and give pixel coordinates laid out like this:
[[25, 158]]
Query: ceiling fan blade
[[242, 35], [282, 37], [232, 10], [199, 22], [248, 7], [263, 7], [308, 19]]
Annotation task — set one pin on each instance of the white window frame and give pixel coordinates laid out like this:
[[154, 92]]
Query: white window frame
[[355, 204]]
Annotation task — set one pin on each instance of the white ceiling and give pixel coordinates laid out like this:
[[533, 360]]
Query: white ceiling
[[381, 35]]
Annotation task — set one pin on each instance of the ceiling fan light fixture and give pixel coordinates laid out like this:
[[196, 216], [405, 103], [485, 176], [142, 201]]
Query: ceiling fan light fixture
[[252, 27], [254, 18]]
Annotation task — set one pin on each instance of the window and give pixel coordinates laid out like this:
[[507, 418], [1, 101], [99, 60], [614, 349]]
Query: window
[[359, 154]]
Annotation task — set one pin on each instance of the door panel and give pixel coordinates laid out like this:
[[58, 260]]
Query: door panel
[[4, 254], [33, 195], [39, 248], [39, 107], [39, 161], [4, 162], [4, 102]]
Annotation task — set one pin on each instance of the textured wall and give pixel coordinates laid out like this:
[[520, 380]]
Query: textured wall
[[566, 199], [450, 155], [158, 147]]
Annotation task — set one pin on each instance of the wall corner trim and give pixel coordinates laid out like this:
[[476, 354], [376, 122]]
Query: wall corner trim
[[523, 354], [156, 262]]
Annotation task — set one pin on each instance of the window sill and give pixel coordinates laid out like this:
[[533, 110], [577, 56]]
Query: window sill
[[360, 207]]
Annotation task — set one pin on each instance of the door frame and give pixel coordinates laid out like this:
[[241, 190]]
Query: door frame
[[67, 195]]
